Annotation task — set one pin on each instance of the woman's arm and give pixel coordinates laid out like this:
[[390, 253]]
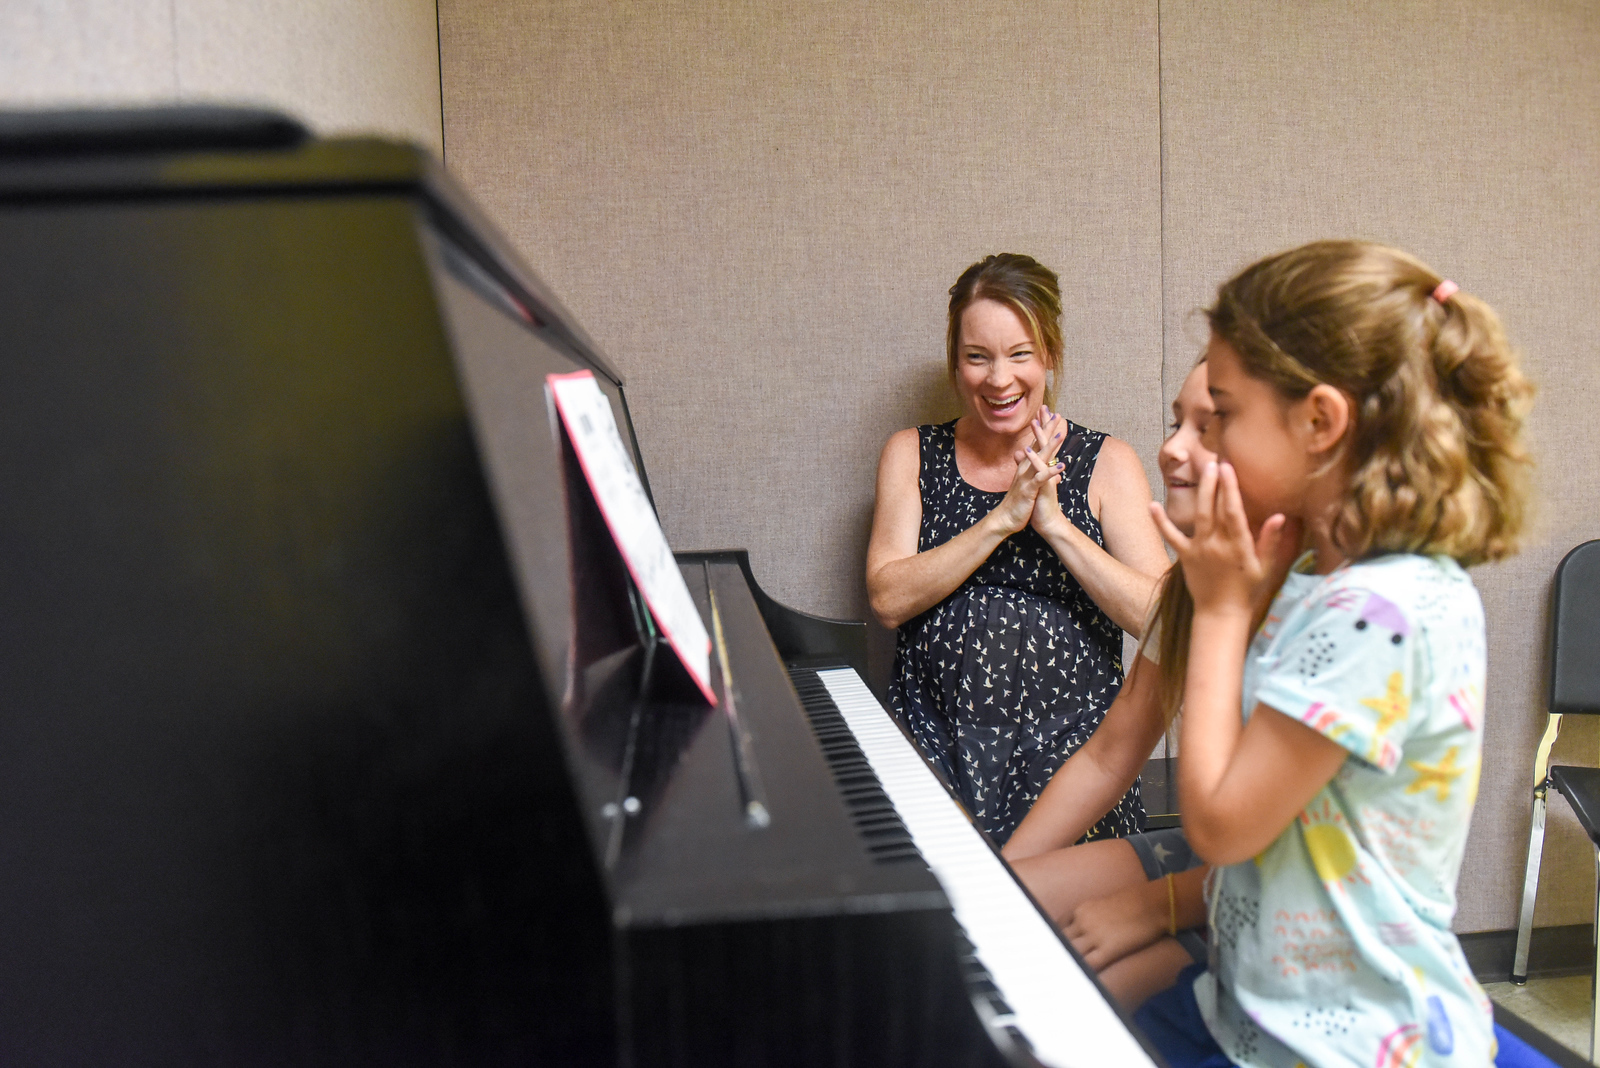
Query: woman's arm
[[1121, 577], [1091, 780], [902, 582]]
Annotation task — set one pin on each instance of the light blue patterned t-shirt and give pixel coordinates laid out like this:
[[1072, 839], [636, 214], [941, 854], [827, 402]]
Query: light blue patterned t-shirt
[[1333, 946]]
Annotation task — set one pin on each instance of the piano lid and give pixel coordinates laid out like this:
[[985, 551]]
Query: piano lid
[[202, 151]]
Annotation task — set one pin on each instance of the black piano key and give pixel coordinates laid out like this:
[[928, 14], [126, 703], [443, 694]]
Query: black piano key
[[1018, 1038], [882, 831], [979, 982], [874, 814]]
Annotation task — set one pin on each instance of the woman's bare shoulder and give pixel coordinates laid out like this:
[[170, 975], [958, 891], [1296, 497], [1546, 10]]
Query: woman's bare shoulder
[[1116, 460], [902, 445], [1118, 477], [909, 436]]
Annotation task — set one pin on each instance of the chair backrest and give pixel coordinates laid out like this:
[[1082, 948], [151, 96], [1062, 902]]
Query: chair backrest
[[1575, 649]]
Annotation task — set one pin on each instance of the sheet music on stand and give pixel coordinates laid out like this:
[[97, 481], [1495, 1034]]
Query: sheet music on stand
[[586, 414]]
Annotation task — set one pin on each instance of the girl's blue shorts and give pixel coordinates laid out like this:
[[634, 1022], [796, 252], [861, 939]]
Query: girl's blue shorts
[[1172, 1023]]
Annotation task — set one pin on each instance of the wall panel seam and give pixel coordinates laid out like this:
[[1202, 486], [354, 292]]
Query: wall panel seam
[[438, 42], [1161, 218]]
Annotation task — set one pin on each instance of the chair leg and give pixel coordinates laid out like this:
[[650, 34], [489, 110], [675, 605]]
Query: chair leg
[[1530, 879], [1530, 890], [1594, 986]]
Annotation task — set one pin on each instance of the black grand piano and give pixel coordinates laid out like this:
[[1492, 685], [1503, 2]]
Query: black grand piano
[[333, 729]]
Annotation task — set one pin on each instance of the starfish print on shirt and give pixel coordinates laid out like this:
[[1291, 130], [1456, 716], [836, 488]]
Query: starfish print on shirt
[[1438, 777], [1391, 708]]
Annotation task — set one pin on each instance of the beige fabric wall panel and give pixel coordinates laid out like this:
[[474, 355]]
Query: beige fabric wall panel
[[342, 66], [1470, 135], [95, 51], [757, 210]]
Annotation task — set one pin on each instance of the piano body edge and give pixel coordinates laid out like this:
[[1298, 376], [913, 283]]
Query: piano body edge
[[813, 951], [799, 637]]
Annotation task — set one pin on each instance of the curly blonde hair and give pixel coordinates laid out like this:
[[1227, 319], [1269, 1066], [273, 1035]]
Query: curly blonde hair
[[1435, 449]]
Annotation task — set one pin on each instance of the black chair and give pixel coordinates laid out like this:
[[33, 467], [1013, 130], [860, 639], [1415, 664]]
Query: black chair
[[1574, 690]]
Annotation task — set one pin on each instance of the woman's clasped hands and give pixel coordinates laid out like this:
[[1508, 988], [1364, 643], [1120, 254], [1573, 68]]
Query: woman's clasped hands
[[1031, 498]]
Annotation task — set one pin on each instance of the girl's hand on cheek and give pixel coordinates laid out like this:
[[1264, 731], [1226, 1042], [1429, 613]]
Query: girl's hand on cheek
[[1277, 558], [1226, 568]]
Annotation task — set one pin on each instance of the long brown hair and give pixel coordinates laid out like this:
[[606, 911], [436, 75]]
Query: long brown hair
[[1435, 447], [1171, 623], [1028, 288]]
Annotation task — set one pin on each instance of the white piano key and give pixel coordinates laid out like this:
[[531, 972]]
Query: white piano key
[[1056, 1006]]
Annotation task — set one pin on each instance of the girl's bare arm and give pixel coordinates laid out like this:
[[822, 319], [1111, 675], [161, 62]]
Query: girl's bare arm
[[1109, 928], [1239, 785]]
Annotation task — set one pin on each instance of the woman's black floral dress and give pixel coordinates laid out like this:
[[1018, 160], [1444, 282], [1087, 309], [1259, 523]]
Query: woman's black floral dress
[[1005, 678]]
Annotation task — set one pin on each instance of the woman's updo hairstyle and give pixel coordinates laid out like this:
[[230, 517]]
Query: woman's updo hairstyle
[[1435, 448], [1022, 284]]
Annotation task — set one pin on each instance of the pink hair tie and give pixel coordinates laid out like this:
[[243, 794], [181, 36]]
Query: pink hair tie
[[1445, 290]]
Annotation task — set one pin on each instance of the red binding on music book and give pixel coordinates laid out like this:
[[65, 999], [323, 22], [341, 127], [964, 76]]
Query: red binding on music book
[[586, 416]]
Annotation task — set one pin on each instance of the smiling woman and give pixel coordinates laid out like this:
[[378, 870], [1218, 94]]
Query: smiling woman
[[1010, 548]]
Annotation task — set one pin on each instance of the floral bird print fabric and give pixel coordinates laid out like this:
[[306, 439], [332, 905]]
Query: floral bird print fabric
[[1004, 679]]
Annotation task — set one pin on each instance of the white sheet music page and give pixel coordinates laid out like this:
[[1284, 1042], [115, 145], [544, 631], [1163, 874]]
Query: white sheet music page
[[586, 413]]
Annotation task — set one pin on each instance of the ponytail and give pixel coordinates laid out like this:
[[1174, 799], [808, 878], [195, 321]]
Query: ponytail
[[1478, 378]]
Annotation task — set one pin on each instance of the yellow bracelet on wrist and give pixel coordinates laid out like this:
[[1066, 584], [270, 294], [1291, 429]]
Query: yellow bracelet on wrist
[[1172, 907]]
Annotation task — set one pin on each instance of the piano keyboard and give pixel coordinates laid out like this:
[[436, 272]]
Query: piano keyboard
[[1042, 990]]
